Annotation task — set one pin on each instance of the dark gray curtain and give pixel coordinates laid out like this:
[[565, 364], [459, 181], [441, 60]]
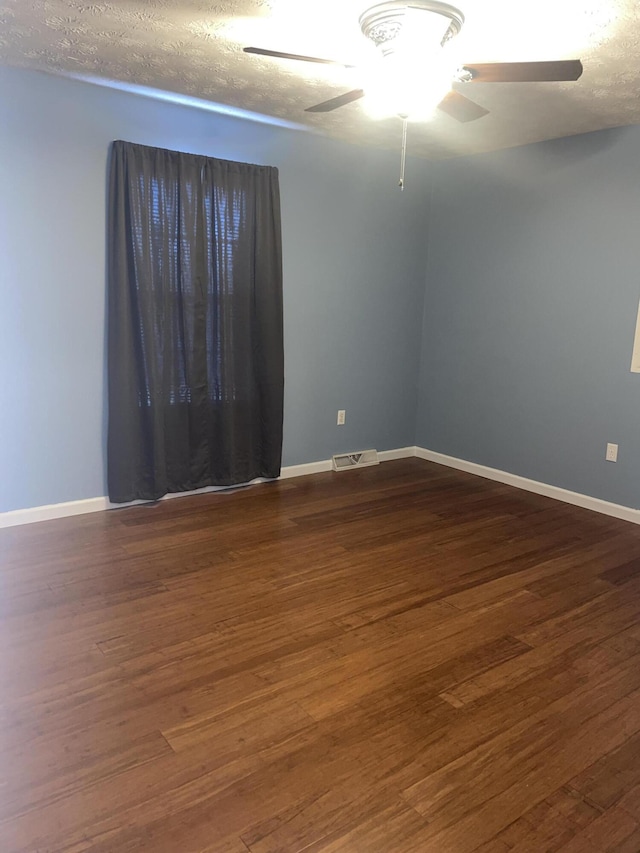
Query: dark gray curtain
[[195, 322]]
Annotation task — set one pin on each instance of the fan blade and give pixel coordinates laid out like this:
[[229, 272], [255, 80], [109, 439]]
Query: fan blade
[[461, 108], [334, 103], [260, 51], [525, 72]]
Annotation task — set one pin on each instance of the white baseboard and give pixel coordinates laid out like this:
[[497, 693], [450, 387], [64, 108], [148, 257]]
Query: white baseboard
[[64, 510], [585, 501], [308, 468], [400, 453], [50, 511], [326, 464]]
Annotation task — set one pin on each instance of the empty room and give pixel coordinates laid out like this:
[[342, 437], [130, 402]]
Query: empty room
[[320, 426]]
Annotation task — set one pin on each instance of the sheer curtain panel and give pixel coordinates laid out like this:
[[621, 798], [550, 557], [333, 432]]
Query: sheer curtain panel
[[194, 322]]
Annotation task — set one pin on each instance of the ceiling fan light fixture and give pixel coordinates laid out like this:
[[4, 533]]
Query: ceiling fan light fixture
[[415, 65], [399, 85], [424, 24]]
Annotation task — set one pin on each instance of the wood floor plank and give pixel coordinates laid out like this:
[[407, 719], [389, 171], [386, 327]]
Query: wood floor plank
[[615, 830], [546, 730], [541, 828], [453, 827], [396, 827], [398, 659], [605, 782]]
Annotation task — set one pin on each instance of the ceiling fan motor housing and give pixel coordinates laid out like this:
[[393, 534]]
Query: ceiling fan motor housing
[[383, 23]]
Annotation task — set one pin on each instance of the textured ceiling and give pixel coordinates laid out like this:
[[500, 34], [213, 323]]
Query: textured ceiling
[[194, 48]]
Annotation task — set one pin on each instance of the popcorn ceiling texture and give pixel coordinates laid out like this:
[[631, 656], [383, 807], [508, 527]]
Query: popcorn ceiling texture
[[194, 48]]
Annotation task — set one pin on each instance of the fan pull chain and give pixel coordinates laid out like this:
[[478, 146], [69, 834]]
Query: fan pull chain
[[403, 158]]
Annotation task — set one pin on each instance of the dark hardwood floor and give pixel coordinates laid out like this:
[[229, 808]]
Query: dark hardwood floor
[[401, 659]]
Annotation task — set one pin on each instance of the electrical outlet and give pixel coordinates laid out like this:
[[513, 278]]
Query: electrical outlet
[[341, 416], [612, 453]]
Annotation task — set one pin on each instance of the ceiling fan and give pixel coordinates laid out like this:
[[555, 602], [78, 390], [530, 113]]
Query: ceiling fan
[[408, 32]]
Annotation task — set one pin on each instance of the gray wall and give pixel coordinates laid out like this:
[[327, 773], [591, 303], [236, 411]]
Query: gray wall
[[354, 259], [533, 281]]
